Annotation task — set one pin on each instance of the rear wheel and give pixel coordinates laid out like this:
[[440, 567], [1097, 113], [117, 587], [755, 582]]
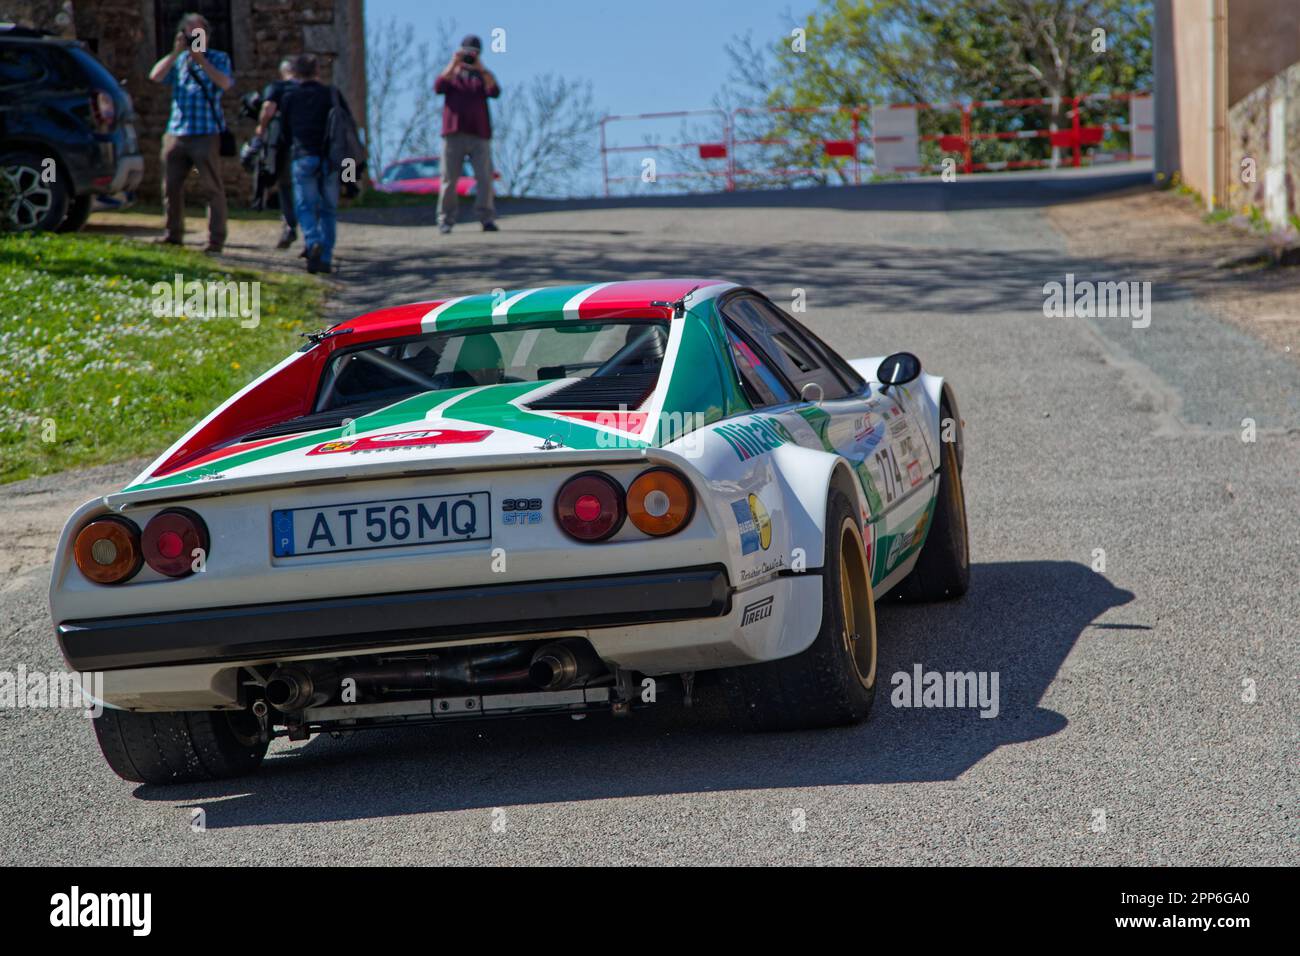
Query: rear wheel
[[34, 201], [179, 747], [78, 213], [833, 682], [943, 568]]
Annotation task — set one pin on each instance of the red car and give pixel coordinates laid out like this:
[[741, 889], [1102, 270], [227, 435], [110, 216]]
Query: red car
[[422, 175]]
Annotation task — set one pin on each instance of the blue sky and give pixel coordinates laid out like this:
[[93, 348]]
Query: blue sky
[[640, 56]]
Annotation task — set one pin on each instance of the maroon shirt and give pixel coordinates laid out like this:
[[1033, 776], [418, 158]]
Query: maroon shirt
[[465, 108]]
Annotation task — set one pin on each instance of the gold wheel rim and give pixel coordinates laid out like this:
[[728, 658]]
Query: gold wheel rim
[[958, 501], [858, 604]]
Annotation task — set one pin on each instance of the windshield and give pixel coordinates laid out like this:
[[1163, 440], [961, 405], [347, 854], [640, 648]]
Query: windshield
[[616, 352]]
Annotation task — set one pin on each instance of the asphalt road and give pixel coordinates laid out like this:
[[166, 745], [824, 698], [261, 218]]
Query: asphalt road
[[1124, 691]]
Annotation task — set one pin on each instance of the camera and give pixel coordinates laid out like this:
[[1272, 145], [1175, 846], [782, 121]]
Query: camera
[[469, 56]]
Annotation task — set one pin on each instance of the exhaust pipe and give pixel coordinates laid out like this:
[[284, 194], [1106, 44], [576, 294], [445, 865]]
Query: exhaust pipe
[[292, 688], [560, 665], [504, 667]]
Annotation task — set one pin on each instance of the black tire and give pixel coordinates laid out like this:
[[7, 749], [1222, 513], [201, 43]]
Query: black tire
[[33, 205], [179, 747], [942, 570], [833, 681], [78, 213]]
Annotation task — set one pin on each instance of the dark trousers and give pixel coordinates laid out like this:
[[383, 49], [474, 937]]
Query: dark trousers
[[284, 184], [180, 154]]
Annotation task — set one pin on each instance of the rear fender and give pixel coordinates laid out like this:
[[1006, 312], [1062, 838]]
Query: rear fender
[[807, 477]]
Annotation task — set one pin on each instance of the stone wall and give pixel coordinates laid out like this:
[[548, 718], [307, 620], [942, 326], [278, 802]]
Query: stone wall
[[1264, 126], [52, 15]]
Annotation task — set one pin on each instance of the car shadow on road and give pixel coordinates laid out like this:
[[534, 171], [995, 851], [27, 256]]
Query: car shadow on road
[[1020, 619]]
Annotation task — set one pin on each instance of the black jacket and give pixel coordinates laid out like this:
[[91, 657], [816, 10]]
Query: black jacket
[[306, 109]]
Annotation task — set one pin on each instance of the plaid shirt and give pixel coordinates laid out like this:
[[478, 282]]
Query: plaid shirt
[[191, 115]]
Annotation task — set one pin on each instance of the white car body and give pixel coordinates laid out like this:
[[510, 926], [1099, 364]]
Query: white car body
[[726, 591]]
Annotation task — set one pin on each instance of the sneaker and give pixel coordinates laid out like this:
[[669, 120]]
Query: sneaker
[[444, 228], [314, 263], [287, 237], [167, 241], [490, 227], [211, 250]]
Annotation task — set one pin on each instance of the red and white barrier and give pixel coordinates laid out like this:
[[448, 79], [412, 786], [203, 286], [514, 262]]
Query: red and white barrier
[[895, 128], [707, 150], [894, 145]]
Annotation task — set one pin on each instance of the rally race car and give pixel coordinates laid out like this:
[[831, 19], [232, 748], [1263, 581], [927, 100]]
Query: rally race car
[[558, 500]]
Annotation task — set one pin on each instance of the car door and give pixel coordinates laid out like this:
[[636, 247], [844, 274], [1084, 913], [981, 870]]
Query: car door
[[827, 406]]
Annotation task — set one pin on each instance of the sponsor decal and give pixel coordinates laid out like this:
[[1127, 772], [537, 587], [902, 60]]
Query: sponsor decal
[[914, 473], [863, 426], [758, 611], [904, 541], [409, 439], [898, 547], [755, 524], [759, 435], [764, 569]]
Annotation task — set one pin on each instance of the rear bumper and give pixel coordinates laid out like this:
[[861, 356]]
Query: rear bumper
[[127, 176], [349, 624]]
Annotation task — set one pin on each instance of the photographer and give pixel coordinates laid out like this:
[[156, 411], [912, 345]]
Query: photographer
[[466, 86], [195, 129], [274, 135]]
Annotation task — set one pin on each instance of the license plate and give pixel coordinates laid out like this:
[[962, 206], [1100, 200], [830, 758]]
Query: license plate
[[368, 525]]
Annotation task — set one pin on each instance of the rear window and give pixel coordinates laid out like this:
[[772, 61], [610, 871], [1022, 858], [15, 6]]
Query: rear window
[[96, 73], [608, 354], [20, 65]]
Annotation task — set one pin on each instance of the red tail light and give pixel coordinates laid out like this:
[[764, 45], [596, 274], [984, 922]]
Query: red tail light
[[107, 550], [170, 539], [103, 110], [589, 507]]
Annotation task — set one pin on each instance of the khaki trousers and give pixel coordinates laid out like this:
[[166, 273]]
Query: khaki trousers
[[180, 154], [455, 147]]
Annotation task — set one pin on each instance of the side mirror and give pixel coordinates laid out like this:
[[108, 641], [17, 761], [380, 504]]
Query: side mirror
[[898, 369]]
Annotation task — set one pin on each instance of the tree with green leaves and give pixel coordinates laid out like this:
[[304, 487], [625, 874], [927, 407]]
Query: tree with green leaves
[[862, 52]]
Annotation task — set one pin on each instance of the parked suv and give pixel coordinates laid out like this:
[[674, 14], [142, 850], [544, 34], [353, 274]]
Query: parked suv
[[67, 140]]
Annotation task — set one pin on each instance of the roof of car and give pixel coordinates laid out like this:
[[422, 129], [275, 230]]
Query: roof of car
[[636, 298], [13, 31]]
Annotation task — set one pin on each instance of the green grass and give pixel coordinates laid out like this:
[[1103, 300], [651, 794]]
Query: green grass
[[89, 374]]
